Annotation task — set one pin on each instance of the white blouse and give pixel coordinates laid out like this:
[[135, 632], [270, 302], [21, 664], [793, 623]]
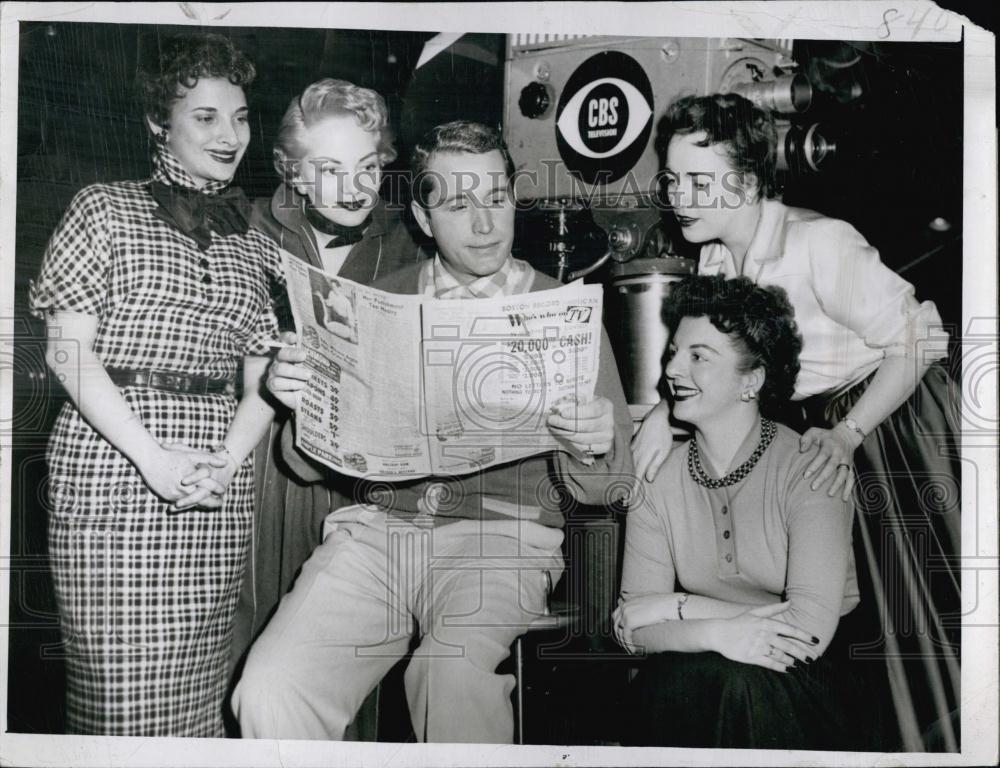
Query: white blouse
[[851, 309]]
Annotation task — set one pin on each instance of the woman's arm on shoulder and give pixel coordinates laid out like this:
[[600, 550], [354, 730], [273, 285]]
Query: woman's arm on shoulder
[[653, 441], [894, 382], [858, 291]]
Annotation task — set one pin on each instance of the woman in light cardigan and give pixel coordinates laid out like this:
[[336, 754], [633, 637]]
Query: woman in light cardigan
[[738, 580]]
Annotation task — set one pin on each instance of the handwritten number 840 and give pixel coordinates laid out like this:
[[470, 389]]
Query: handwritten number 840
[[892, 15]]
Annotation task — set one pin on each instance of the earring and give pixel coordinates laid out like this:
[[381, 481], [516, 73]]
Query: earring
[[747, 395], [160, 138]]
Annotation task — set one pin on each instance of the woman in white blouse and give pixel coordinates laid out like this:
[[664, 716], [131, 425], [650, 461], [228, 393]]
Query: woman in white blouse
[[877, 400]]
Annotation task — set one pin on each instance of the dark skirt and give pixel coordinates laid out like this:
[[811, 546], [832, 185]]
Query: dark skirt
[[907, 547], [907, 544], [706, 700]]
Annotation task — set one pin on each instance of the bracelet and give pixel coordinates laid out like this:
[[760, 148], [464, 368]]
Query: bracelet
[[680, 604], [852, 425], [221, 448]]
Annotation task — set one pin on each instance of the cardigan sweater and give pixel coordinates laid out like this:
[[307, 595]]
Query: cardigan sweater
[[764, 539]]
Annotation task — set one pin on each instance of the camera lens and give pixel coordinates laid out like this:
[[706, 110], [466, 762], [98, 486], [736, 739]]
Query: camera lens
[[804, 149]]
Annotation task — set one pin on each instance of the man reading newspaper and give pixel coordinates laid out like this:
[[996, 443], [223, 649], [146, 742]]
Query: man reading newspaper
[[464, 560]]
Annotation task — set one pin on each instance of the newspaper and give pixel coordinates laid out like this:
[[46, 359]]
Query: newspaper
[[406, 386]]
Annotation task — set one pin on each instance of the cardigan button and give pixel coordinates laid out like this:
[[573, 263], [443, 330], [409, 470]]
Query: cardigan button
[[725, 510], [729, 558], [725, 534]]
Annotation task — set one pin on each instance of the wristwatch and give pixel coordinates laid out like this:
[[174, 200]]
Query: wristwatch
[[852, 425]]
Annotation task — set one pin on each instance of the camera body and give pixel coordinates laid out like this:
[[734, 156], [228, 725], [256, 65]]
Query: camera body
[[580, 111]]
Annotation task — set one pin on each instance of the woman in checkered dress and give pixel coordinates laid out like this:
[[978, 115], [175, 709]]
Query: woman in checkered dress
[[154, 293]]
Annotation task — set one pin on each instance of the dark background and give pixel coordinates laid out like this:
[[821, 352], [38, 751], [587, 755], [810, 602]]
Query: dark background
[[898, 167]]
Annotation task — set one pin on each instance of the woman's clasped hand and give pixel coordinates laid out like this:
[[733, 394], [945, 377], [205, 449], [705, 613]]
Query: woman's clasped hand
[[190, 478], [758, 636]]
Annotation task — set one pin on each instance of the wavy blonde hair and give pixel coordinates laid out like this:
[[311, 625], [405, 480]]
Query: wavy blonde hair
[[328, 98]]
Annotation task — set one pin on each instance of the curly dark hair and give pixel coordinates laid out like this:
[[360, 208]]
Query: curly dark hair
[[456, 136], [183, 60], [759, 321], [746, 130]]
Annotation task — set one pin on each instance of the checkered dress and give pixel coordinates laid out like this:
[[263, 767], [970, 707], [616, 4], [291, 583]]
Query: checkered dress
[[146, 598]]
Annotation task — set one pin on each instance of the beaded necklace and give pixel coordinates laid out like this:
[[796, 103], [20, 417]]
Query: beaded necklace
[[768, 429]]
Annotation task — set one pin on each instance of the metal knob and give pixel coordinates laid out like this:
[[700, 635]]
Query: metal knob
[[535, 100]]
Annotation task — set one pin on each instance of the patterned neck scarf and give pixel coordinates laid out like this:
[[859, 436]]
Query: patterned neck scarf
[[196, 212], [514, 277], [167, 169], [339, 234]]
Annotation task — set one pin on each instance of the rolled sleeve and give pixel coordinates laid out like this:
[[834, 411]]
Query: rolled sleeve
[[74, 274], [858, 291]]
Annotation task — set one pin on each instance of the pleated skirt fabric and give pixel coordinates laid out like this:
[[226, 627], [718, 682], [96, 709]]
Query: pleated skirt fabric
[[907, 543]]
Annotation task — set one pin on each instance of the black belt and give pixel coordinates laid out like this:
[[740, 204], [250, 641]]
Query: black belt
[[171, 382]]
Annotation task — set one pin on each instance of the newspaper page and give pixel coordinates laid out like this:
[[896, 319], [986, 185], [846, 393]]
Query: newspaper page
[[360, 412], [495, 368], [405, 386]]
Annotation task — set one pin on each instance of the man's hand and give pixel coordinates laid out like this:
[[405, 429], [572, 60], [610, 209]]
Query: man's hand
[[587, 429], [287, 375]]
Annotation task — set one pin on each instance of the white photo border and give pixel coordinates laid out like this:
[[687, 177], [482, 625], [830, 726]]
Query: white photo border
[[877, 20]]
